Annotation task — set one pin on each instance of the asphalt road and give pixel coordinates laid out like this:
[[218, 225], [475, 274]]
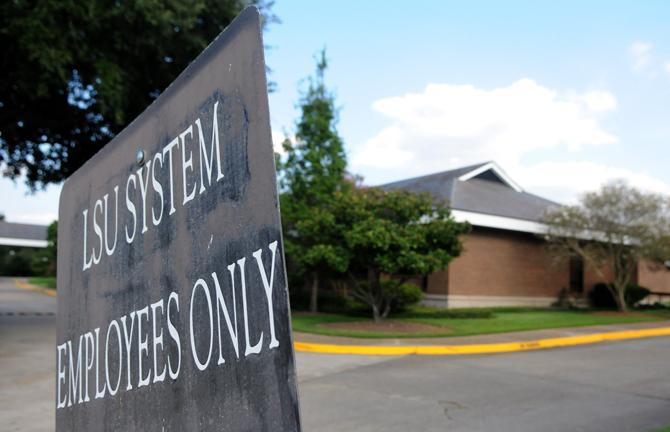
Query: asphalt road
[[622, 386], [27, 359]]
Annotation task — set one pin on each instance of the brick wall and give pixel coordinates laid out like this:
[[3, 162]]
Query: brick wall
[[501, 263], [591, 277], [505, 263], [438, 282], [654, 277]]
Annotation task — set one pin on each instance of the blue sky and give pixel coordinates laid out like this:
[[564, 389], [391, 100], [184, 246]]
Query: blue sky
[[382, 50], [563, 95]]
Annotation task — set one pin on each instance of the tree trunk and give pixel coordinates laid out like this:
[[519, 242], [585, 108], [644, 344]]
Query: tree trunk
[[375, 313], [376, 298], [314, 294], [621, 298], [387, 310], [622, 276]]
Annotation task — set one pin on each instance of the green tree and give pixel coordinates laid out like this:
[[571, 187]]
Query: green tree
[[44, 260], [613, 228], [313, 170], [15, 261], [75, 73], [392, 236]]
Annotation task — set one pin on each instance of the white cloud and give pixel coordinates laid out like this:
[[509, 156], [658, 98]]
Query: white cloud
[[446, 121], [565, 181], [277, 140], [598, 101], [446, 126], [667, 68], [18, 205], [641, 55]]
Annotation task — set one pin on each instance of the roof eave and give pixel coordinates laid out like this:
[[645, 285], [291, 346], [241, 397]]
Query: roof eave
[[499, 222]]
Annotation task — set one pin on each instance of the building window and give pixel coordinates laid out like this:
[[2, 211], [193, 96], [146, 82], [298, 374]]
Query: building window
[[576, 275]]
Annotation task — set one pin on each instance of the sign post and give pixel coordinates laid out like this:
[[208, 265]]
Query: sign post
[[172, 294]]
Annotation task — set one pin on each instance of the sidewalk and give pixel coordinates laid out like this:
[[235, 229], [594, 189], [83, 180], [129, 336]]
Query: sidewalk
[[479, 339], [481, 344]]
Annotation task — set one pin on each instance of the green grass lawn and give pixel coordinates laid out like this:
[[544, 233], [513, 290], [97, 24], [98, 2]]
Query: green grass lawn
[[46, 282], [467, 322]]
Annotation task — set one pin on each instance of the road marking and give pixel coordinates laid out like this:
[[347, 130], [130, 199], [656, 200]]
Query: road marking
[[25, 285], [481, 348]]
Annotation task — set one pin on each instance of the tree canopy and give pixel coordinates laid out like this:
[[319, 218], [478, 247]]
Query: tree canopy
[[315, 163], [613, 229], [335, 229], [44, 261], [397, 235], [76, 73]]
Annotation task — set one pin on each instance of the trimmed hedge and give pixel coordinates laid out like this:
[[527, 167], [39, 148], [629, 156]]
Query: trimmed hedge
[[601, 296]]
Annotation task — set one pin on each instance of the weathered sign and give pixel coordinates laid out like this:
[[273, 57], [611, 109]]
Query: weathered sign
[[172, 296]]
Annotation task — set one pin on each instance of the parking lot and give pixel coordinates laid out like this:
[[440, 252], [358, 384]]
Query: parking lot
[[622, 386]]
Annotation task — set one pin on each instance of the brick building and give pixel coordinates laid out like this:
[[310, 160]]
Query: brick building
[[505, 262]]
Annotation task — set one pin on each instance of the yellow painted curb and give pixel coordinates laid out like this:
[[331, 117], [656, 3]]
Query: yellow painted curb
[[24, 285], [481, 348]]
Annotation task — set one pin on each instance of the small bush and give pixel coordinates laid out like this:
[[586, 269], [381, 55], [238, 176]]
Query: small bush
[[333, 302], [468, 314], [399, 297], [329, 302], [601, 296], [439, 313], [15, 261], [567, 300], [654, 306], [635, 294], [402, 295]]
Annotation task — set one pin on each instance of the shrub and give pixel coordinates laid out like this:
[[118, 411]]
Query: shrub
[[333, 302], [299, 299], [329, 302], [655, 306], [635, 294], [402, 295], [601, 296], [462, 313], [15, 261], [397, 297]]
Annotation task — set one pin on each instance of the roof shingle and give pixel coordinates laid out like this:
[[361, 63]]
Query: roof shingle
[[22, 231], [479, 194]]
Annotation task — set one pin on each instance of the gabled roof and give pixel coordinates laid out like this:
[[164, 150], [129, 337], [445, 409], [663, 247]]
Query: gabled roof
[[491, 171], [484, 195], [17, 234], [432, 182]]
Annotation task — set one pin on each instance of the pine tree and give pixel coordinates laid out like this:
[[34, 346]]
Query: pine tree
[[314, 170]]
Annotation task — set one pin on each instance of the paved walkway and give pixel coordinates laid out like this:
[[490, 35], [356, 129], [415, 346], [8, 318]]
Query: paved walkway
[[480, 339]]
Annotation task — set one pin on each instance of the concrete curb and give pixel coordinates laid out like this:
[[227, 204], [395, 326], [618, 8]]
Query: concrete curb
[[25, 285], [481, 348]]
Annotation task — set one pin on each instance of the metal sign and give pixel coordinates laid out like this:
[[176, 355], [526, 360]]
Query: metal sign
[[172, 297]]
